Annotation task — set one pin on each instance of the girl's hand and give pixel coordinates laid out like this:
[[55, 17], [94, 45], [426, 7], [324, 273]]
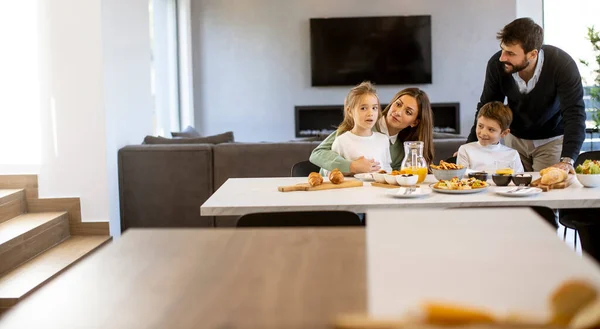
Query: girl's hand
[[362, 165]]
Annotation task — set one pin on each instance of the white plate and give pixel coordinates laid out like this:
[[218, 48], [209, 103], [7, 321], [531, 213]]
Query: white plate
[[405, 192], [365, 177], [471, 191], [527, 191]]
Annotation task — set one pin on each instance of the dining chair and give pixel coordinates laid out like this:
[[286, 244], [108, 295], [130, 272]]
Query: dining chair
[[567, 217], [304, 168], [300, 219]]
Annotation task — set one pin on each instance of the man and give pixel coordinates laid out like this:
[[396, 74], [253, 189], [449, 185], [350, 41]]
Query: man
[[544, 91]]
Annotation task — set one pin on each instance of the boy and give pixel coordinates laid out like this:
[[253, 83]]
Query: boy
[[493, 122]]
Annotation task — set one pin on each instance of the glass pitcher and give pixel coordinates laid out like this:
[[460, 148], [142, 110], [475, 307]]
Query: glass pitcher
[[413, 162]]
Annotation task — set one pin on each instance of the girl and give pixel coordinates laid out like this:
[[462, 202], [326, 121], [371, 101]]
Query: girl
[[408, 117], [355, 135]]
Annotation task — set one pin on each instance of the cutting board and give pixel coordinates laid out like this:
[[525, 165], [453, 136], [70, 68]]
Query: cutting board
[[376, 184], [564, 184], [324, 186]]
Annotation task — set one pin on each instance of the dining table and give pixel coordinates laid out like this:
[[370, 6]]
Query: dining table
[[240, 196]]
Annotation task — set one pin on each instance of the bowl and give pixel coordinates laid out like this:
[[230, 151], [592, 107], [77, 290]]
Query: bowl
[[481, 175], [379, 178], [390, 179], [522, 179], [407, 179], [589, 180], [441, 174], [501, 180]]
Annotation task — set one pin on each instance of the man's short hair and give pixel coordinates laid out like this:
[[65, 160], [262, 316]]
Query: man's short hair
[[498, 112], [523, 31]]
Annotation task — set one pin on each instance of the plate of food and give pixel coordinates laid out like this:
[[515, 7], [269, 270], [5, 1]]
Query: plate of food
[[518, 191], [365, 177], [408, 192], [459, 186]]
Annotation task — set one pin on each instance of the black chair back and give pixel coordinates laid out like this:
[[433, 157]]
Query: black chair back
[[300, 218], [451, 160], [590, 155], [304, 168]]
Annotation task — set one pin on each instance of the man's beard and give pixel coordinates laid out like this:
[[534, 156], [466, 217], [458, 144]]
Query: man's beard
[[515, 68]]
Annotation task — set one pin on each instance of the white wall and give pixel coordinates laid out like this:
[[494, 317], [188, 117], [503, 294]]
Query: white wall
[[252, 58], [95, 98], [128, 104], [533, 9]]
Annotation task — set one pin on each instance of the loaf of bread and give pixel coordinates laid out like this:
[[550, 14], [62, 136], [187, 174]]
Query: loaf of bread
[[553, 175], [315, 179], [336, 176]]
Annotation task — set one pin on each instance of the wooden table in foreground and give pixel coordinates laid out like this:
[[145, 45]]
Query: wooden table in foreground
[[501, 259], [245, 278], [240, 196]]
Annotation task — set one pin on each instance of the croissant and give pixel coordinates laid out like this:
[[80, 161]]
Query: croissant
[[553, 175], [315, 179], [336, 176]]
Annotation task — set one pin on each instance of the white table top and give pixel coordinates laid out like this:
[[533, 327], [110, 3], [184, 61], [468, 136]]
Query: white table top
[[504, 260], [240, 196]]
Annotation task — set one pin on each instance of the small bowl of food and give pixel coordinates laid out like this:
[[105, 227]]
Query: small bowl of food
[[379, 177], [390, 179], [407, 179], [588, 173], [481, 175], [501, 179], [522, 179]]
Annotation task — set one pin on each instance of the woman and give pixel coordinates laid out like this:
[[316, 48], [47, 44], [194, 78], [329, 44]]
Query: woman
[[408, 117]]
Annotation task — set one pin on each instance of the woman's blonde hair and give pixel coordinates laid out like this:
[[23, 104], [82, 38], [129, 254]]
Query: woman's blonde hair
[[352, 100], [423, 131]]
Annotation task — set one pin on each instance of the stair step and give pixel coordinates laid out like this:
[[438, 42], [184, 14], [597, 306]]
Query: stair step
[[12, 203], [24, 279], [27, 235]]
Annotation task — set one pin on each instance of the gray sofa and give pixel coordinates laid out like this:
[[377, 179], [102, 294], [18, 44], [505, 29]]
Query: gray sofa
[[165, 185]]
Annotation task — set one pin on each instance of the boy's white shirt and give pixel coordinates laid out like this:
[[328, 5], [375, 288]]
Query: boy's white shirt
[[352, 147], [481, 158]]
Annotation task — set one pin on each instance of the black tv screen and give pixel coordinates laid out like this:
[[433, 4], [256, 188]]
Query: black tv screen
[[384, 50]]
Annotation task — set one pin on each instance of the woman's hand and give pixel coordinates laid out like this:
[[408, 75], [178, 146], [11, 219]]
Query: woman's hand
[[362, 165]]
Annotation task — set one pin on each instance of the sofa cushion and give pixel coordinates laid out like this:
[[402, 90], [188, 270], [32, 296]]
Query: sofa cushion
[[445, 148], [215, 139], [239, 160], [188, 132], [437, 135]]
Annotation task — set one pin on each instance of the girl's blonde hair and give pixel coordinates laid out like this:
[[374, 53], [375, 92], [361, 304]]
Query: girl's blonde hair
[[352, 100], [423, 131]]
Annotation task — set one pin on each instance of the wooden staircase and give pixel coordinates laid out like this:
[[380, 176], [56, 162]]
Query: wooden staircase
[[39, 238]]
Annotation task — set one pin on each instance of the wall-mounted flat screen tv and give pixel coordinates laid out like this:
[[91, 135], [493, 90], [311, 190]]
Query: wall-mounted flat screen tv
[[387, 50]]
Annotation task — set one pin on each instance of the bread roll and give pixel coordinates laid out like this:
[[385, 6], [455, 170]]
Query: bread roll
[[553, 175], [336, 176], [315, 179], [571, 297]]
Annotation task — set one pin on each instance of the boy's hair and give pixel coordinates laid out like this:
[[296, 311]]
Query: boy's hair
[[523, 31], [352, 100], [498, 112]]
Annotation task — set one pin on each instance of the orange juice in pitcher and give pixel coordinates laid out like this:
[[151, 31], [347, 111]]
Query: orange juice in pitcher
[[420, 171], [413, 162]]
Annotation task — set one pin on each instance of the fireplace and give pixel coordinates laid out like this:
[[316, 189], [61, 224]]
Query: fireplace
[[322, 120]]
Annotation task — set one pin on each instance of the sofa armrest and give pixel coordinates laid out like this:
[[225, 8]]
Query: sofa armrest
[[165, 185]]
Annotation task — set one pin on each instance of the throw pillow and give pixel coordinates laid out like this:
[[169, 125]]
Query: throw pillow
[[188, 132], [216, 139]]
